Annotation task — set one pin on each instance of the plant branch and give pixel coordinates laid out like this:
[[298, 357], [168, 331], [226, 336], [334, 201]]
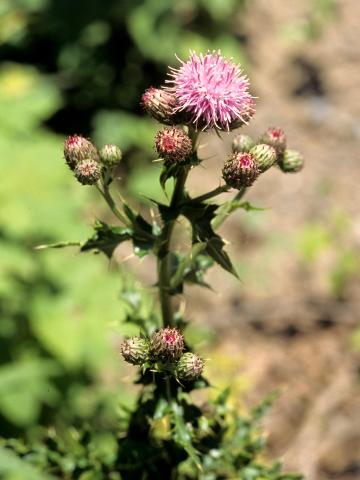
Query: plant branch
[[111, 203], [212, 193], [220, 219], [164, 266], [164, 259]]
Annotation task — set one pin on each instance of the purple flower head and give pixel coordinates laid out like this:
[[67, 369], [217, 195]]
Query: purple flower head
[[213, 91]]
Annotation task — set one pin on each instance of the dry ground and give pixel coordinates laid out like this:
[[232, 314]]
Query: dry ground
[[292, 333]]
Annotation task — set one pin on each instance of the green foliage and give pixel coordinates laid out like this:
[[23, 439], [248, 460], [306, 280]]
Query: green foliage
[[55, 317]]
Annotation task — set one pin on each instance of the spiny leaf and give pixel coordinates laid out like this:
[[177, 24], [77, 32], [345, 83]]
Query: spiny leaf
[[229, 207], [106, 238], [169, 171], [200, 216]]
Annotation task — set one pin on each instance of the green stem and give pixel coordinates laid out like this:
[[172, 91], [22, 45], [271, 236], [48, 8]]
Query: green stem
[[220, 219], [164, 266], [213, 193], [110, 201]]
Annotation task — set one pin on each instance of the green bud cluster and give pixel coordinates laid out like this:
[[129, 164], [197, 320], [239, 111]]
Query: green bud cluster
[[86, 162], [165, 351], [240, 170]]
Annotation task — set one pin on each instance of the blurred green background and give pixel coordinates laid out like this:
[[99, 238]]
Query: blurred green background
[[81, 67]]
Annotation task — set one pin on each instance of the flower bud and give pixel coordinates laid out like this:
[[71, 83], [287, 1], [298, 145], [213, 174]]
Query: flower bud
[[173, 144], [110, 155], [161, 105], [242, 143], [246, 115], [77, 148], [189, 367], [291, 162], [265, 156], [167, 344], [240, 170], [135, 350], [275, 137], [88, 171]]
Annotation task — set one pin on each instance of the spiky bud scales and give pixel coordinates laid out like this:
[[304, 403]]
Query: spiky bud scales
[[240, 170], [242, 143], [291, 161], [189, 367], [110, 155], [265, 156], [173, 144], [161, 105], [77, 149], [88, 171], [167, 344], [276, 138], [135, 350]]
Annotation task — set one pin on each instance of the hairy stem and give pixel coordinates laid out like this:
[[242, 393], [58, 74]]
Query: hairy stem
[[110, 201], [164, 266], [213, 193], [220, 219]]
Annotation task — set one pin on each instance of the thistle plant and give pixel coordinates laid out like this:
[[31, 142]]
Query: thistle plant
[[206, 93]]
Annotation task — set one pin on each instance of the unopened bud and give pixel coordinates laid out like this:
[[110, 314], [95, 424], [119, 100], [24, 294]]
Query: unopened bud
[[135, 350], [161, 105], [110, 155], [291, 161], [189, 367], [88, 171], [240, 170], [246, 115], [78, 148], [167, 344], [242, 143], [276, 138], [265, 156], [173, 144]]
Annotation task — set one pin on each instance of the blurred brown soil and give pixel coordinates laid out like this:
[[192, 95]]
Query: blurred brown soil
[[293, 334]]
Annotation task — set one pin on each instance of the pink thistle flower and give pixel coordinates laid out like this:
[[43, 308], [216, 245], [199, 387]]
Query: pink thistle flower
[[213, 91]]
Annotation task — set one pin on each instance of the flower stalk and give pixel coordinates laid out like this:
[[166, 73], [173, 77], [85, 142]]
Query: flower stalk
[[208, 92], [163, 262]]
